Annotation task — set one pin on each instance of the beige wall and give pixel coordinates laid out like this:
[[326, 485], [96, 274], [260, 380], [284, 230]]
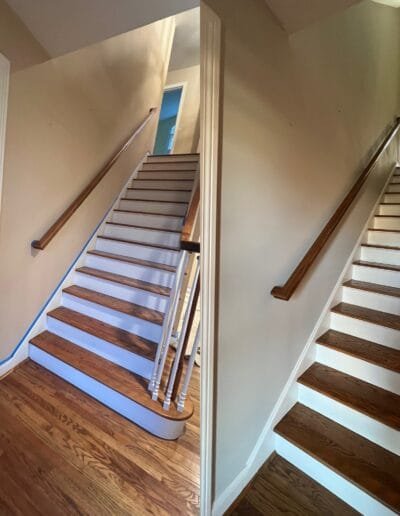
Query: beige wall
[[187, 137], [66, 117], [16, 42], [300, 116]]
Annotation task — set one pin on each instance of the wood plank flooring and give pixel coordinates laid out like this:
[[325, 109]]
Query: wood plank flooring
[[280, 488], [63, 453]]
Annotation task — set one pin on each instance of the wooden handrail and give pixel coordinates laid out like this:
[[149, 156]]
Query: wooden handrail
[[60, 222], [286, 291], [186, 243]]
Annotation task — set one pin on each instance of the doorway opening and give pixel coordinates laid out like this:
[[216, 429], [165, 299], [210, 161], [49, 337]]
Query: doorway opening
[[169, 116]]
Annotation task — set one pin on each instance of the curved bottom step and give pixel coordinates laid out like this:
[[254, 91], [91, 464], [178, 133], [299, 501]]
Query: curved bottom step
[[115, 387]]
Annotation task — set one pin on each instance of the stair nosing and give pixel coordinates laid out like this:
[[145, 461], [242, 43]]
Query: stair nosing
[[123, 224], [321, 341], [370, 287], [171, 269], [377, 265], [145, 285], [150, 344], [144, 244], [79, 292], [153, 200], [335, 309]]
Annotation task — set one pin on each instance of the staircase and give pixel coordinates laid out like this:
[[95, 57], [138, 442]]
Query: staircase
[[344, 429], [104, 336]]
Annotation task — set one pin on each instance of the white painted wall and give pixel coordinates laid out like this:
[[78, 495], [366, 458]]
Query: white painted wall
[[301, 114]]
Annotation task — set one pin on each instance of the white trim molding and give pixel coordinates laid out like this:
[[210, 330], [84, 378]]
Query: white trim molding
[[4, 84], [209, 170]]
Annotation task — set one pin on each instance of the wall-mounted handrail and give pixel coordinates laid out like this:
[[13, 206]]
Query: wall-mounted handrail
[[67, 214], [286, 291], [187, 243]]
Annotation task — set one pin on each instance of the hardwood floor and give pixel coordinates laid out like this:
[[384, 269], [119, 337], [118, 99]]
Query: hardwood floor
[[63, 453], [280, 488]]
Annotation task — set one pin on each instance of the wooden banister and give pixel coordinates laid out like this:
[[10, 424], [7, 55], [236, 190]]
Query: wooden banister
[[187, 243], [61, 221], [286, 291]]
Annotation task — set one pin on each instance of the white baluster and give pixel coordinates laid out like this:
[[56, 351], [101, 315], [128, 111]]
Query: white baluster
[[163, 346], [182, 335], [189, 370]]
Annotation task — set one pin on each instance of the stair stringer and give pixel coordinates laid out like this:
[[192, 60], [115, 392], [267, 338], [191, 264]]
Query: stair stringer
[[268, 441], [21, 350]]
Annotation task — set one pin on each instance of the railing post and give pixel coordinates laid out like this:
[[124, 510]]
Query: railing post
[[163, 346], [189, 370], [182, 339]]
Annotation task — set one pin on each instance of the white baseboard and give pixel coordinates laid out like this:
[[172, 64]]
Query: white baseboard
[[21, 350], [265, 444]]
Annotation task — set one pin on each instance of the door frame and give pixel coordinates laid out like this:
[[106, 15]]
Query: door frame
[[210, 65], [176, 86], [4, 87]]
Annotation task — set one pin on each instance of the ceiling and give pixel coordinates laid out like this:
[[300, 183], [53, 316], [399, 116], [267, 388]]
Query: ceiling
[[186, 45], [294, 15], [62, 26]]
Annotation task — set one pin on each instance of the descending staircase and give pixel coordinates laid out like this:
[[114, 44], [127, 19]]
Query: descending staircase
[[104, 335], [344, 430]]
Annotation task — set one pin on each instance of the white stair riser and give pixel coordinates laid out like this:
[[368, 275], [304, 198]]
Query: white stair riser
[[384, 238], [359, 368], [142, 273], [163, 185], [389, 209], [386, 222], [115, 354], [169, 166], [395, 179], [338, 485], [179, 175], [133, 295], [191, 158], [126, 322], [393, 188], [153, 423], [147, 236], [154, 221], [391, 197], [354, 296], [138, 251], [375, 275], [154, 207], [373, 254], [158, 195], [355, 421], [366, 330]]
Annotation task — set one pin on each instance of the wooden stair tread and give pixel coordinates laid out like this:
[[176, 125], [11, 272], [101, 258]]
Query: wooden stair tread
[[128, 384], [150, 228], [373, 287], [389, 216], [392, 247], [121, 338], [125, 280], [367, 314], [147, 314], [153, 200], [374, 469], [371, 352], [159, 189], [378, 265], [385, 230], [152, 213], [135, 261], [136, 242], [377, 403], [281, 488]]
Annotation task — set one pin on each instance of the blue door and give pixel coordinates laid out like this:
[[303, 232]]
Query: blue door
[[167, 123]]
